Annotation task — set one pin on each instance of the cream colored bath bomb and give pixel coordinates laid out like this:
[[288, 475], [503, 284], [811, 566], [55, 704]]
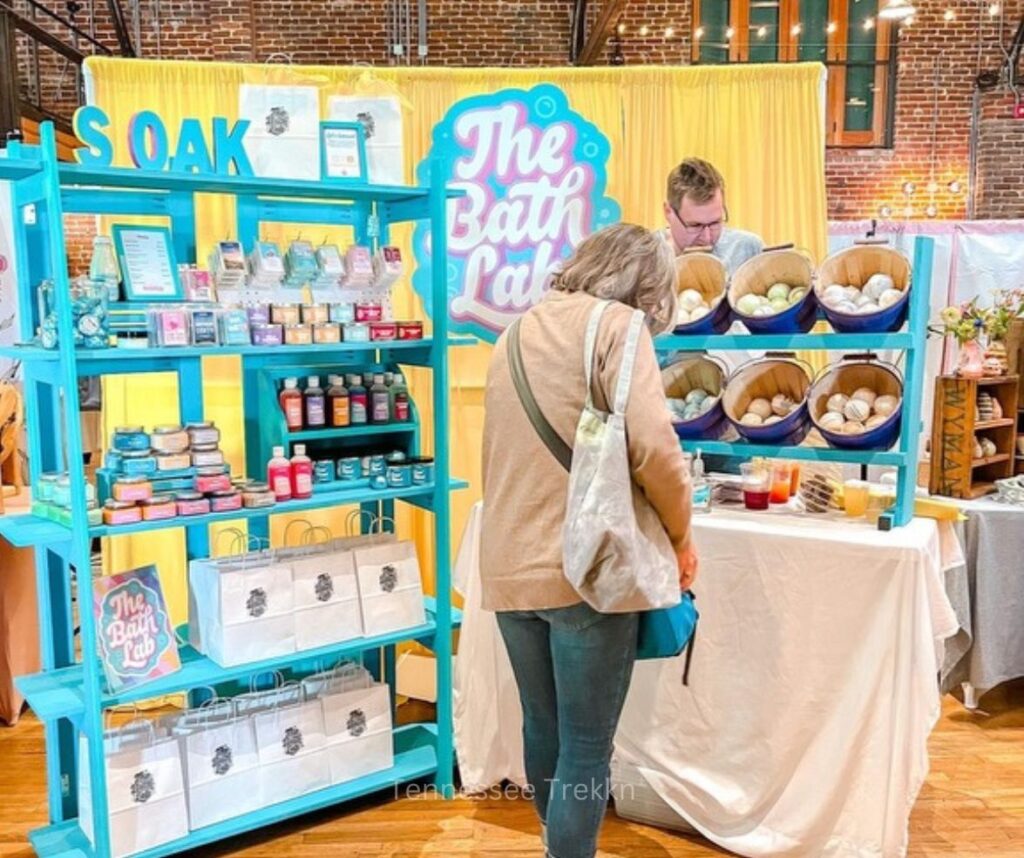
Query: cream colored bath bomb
[[682, 315], [885, 404], [868, 308], [797, 295], [748, 304], [779, 291], [761, 407], [852, 427], [834, 294], [782, 404], [877, 284], [875, 420], [698, 313], [865, 394], [847, 307], [832, 421], [889, 297], [779, 304], [858, 410], [764, 310], [690, 299], [751, 419], [837, 401], [770, 420], [861, 299]]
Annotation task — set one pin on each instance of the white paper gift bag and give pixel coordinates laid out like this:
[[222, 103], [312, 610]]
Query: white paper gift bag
[[326, 598], [390, 587], [283, 138], [359, 735], [291, 744], [145, 792], [221, 765], [241, 609]]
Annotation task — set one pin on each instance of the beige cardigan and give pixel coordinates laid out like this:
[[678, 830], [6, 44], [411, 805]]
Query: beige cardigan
[[525, 487]]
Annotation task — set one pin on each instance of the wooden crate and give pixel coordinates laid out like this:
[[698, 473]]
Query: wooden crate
[[1015, 356], [954, 470]]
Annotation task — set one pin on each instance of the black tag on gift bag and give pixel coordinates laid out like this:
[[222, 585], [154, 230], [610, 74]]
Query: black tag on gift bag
[[292, 741], [222, 760], [388, 578], [324, 587], [356, 724], [143, 786], [256, 604]]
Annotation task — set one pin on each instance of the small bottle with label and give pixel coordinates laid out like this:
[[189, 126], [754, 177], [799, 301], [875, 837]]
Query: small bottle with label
[[337, 402], [279, 475], [291, 404], [380, 401], [315, 404], [358, 397], [400, 411], [302, 473]]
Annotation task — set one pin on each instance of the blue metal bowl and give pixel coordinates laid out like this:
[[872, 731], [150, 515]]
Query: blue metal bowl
[[790, 430], [798, 319], [884, 321], [881, 437], [707, 427]]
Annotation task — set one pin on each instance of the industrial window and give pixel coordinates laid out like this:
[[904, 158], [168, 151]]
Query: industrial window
[[857, 47]]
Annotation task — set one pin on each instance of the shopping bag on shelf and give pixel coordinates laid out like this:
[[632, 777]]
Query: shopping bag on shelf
[[290, 741], [221, 763], [240, 608], [258, 700], [283, 138], [357, 720], [343, 675], [390, 587], [145, 789], [326, 596]]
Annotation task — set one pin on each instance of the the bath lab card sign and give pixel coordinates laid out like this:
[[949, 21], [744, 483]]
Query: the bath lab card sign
[[134, 630], [534, 176]]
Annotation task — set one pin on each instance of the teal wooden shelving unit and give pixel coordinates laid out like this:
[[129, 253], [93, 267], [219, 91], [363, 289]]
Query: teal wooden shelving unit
[[910, 341], [69, 695]]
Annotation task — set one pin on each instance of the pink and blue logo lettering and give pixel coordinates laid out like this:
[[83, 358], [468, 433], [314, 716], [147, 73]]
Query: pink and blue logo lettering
[[533, 173]]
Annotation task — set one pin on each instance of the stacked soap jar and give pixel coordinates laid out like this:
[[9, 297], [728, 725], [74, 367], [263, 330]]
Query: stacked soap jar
[[51, 498], [393, 470]]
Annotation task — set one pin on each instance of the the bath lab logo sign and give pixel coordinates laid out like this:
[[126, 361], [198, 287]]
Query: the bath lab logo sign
[[534, 174]]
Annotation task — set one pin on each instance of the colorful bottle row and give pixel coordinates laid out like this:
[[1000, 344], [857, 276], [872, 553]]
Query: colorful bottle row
[[373, 398]]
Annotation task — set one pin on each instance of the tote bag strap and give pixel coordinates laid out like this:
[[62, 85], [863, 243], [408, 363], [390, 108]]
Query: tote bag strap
[[628, 361], [589, 344]]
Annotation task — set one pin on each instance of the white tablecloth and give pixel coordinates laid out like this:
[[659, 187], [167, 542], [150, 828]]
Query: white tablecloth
[[812, 692]]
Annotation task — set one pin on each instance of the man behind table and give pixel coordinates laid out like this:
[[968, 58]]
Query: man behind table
[[696, 214]]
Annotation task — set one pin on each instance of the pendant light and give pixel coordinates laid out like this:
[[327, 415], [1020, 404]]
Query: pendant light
[[897, 10]]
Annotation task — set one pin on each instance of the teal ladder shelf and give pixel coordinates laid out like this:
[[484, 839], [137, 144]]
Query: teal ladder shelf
[[910, 341], [69, 695]]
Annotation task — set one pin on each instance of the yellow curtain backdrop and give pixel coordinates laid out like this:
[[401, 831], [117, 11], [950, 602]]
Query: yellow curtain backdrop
[[763, 126]]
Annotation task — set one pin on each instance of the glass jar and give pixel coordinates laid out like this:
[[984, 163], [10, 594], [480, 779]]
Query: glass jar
[[170, 439], [89, 306], [103, 266]]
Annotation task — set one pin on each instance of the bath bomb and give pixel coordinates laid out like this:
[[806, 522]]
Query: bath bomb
[[837, 401], [857, 410], [751, 419], [868, 308], [852, 427], [861, 299], [682, 315], [877, 284], [851, 292], [779, 291], [875, 420], [832, 421], [698, 313], [779, 304], [768, 421], [833, 294], [847, 307], [690, 299], [797, 294], [764, 310], [748, 304], [696, 396], [889, 297], [761, 407], [707, 404], [865, 394], [885, 405], [781, 404]]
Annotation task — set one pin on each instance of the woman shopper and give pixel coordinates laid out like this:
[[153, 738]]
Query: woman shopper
[[572, 664]]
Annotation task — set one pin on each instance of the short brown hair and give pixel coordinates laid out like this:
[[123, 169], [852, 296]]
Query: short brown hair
[[694, 178], [626, 263]]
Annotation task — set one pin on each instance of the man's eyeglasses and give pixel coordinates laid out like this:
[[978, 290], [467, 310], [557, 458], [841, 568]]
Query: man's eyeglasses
[[697, 228]]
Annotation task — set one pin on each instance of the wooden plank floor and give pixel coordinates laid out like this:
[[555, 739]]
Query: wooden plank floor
[[972, 805]]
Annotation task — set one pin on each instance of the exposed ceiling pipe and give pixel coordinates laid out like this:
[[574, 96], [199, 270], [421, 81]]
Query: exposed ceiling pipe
[[421, 20], [577, 30]]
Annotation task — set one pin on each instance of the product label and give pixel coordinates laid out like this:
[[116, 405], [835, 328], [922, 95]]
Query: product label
[[358, 408], [401, 409], [282, 486], [339, 411], [315, 410], [303, 483], [381, 408], [293, 412]]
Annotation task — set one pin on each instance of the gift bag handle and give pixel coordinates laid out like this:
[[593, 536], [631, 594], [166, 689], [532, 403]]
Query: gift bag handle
[[310, 534], [358, 514], [276, 674], [288, 527], [232, 530]]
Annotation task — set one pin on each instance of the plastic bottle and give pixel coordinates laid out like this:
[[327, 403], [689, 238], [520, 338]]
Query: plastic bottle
[[103, 266], [380, 401], [358, 398], [279, 475], [291, 404], [338, 413], [400, 411], [389, 379], [315, 404], [302, 473]]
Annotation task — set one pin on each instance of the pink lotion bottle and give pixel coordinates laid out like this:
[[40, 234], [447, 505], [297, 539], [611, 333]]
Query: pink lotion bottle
[[279, 475], [302, 473]]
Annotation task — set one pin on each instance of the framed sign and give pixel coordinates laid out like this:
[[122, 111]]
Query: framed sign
[[148, 268], [343, 152]]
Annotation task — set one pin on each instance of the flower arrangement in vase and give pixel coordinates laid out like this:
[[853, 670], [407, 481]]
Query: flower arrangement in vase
[[965, 322]]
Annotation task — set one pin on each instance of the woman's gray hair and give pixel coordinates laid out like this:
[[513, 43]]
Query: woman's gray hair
[[625, 263]]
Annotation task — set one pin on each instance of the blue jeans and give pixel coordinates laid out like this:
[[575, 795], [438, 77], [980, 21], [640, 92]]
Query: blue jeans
[[573, 667]]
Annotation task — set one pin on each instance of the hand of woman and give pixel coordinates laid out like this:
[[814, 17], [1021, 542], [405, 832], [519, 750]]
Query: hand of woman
[[686, 557]]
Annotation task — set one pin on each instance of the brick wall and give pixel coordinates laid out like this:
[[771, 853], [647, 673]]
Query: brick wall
[[938, 60]]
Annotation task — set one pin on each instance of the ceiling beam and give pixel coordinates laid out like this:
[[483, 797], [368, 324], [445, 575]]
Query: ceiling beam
[[606, 20]]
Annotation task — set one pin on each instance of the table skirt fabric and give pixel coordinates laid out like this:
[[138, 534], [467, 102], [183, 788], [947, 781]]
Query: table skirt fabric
[[812, 692]]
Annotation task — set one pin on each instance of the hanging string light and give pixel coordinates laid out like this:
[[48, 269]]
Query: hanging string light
[[730, 33], [885, 212], [645, 30], [908, 212], [832, 27], [621, 29], [796, 29], [932, 210], [698, 33], [993, 9], [869, 23], [669, 32], [762, 32], [909, 188], [949, 15], [955, 186]]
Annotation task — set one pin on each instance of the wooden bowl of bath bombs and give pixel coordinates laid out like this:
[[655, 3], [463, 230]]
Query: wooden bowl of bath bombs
[[855, 405], [772, 293], [693, 387], [701, 281], [865, 288], [753, 389]]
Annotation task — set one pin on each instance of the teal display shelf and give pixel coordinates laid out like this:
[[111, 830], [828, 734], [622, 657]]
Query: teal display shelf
[[61, 693], [416, 757], [910, 341], [342, 433], [69, 693]]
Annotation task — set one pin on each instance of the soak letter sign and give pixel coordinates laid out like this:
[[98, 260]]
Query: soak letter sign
[[133, 627], [533, 174], [149, 144]]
